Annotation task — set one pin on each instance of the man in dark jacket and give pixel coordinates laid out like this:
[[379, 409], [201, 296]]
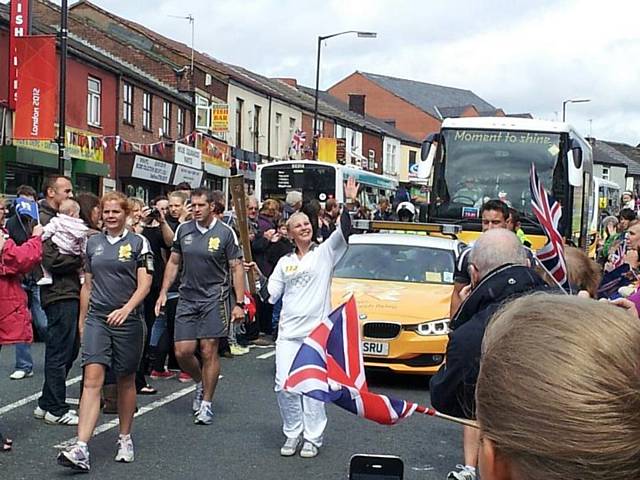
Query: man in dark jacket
[[500, 271], [61, 302]]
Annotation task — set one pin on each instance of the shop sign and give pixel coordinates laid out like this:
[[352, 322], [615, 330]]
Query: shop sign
[[187, 156], [220, 117], [185, 174], [150, 169], [214, 152], [78, 145]]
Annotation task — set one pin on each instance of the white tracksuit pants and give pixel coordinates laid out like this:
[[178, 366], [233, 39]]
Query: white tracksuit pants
[[300, 414]]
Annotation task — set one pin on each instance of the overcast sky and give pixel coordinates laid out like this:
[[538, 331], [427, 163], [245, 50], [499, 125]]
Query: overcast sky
[[523, 56]]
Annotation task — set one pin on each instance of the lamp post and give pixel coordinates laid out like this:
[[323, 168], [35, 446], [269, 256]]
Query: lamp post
[[573, 100], [315, 108], [63, 90]]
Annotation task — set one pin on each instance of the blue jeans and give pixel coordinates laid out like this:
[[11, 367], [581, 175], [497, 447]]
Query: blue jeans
[[62, 346], [39, 318]]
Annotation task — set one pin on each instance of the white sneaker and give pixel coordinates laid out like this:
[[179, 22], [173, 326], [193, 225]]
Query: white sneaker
[[290, 446], [39, 413], [463, 473], [309, 450], [69, 418], [125, 450], [238, 350], [20, 374]]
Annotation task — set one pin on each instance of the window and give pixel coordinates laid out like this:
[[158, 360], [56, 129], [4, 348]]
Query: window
[[256, 127], [166, 118], [276, 136], [146, 110], [93, 101], [239, 107], [412, 158], [605, 173], [341, 132], [203, 113], [180, 122], [127, 103], [320, 128], [369, 163], [292, 127]]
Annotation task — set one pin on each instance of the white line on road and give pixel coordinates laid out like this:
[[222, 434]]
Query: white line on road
[[35, 396], [141, 411], [266, 355]]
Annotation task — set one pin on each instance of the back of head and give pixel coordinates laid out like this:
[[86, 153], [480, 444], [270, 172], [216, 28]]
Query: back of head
[[558, 393], [584, 273], [69, 207], [88, 202], [495, 248], [293, 198], [627, 214]]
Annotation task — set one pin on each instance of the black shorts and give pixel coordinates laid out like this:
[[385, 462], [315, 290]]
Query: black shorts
[[119, 348], [196, 320]]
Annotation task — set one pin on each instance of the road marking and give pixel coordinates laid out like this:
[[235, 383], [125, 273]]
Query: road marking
[[267, 355], [35, 396], [141, 411]]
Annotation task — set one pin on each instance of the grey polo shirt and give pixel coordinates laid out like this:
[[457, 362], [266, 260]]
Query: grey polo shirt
[[113, 263], [206, 253]]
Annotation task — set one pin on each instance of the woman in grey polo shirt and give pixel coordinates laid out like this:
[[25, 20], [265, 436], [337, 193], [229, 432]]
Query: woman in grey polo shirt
[[117, 279]]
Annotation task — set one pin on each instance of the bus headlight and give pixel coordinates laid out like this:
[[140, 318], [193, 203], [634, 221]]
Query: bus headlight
[[433, 327]]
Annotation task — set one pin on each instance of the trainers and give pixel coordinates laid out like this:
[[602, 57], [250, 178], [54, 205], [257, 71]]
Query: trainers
[[197, 399], [75, 457], [262, 342], [39, 413], [69, 418], [184, 377], [309, 450], [237, 350], [125, 450], [204, 416], [463, 473], [20, 374], [290, 446], [162, 375]]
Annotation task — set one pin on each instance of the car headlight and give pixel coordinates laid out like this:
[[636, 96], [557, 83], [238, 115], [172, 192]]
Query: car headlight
[[433, 327]]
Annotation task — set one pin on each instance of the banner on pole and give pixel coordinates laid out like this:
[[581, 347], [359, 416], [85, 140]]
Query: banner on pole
[[37, 88], [18, 27]]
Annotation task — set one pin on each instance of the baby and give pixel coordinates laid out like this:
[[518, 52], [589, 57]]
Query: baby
[[67, 231]]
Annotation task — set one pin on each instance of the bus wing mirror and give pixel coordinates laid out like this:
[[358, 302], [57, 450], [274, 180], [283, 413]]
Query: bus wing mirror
[[575, 165], [427, 155]]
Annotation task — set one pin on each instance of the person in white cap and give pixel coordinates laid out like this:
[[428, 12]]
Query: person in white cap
[[406, 212], [293, 203]]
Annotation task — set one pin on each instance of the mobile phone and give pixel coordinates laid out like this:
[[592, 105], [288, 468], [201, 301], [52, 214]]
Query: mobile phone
[[375, 467]]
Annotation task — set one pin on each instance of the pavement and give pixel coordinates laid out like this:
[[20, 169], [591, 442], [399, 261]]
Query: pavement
[[243, 442]]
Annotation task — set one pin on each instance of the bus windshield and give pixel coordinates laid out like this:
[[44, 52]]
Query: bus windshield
[[315, 181], [480, 165]]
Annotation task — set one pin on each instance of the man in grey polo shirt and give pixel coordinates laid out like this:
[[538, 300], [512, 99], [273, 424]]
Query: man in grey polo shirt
[[211, 263]]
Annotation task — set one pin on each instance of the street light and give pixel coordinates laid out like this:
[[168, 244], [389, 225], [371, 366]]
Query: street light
[[315, 108], [574, 100]]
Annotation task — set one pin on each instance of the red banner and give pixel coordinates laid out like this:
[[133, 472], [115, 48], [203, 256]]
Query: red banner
[[18, 27], [37, 88]]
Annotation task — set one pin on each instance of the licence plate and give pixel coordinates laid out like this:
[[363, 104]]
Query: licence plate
[[375, 348]]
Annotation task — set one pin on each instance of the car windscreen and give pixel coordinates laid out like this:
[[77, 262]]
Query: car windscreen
[[397, 263]]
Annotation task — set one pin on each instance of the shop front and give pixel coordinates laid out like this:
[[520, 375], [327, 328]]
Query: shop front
[[31, 161], [216, 161]]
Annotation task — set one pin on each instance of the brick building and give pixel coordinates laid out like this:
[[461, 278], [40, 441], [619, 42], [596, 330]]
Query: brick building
[[415, 108]]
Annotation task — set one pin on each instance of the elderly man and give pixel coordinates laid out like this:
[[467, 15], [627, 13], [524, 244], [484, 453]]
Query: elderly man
[[499, 269]]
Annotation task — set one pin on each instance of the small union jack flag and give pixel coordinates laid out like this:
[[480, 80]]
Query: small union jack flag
[[298, 139], [548, 212], [617, 256], [329, 367]]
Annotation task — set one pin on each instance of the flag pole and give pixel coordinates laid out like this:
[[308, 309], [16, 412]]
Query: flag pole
[[434, 413]]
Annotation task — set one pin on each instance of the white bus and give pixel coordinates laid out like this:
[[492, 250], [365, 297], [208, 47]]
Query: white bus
[[319, 181]]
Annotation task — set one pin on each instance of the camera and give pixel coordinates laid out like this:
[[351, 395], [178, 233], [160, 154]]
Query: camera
[[154, 213]]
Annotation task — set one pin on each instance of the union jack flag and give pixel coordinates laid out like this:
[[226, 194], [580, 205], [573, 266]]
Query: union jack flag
[[548, 212], [616, 258], [329, 367], [298, 139]]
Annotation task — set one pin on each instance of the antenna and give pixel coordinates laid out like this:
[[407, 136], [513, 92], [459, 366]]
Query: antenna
[[192, 21]]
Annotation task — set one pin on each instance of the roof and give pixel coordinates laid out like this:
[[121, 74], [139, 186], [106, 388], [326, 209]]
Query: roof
[[429, 97], [629, 155], [405, 239], [606, 155]]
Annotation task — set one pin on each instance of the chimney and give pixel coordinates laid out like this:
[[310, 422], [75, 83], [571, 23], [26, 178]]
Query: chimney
[[356, 103], [292, 82]]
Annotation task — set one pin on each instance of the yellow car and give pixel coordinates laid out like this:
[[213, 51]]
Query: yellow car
[[402, 284]]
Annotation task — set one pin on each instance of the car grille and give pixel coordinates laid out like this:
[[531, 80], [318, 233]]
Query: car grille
[[381, 330]]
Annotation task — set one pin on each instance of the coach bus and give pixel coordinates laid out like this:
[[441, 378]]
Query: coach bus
[[319, 181], [472, 160]]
